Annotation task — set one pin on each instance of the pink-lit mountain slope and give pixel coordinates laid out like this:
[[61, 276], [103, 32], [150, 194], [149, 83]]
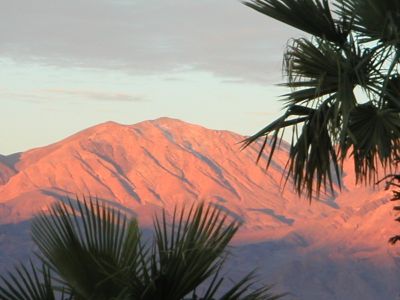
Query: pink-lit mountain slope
[[335, 248], [155, 163]]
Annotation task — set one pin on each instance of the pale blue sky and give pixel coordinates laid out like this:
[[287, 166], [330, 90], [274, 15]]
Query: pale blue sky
[[67, 65]]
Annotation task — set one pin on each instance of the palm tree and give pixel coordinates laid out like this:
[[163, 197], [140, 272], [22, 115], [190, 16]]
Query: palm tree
[[92, 251], [351, 45]]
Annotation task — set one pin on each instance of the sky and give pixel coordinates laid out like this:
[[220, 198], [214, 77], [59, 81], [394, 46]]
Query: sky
[[66, 65]]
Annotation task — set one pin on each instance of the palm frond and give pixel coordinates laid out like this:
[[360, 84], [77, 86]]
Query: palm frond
[[91, 247], [189, 251], [323, 78], [322, 69], [313, 162], [374, 19], [294, 116], [311, 66], [391, 95], [374, 138], [29, 284], [297, 13], [94, 252], [245, 290]]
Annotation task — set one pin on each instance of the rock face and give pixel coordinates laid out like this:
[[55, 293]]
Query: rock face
[[335, 248], [7, 167]]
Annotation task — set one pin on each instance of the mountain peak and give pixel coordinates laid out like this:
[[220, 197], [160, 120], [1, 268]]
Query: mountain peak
[[166, 123], [161, 161], [168, 163], [167, 120], [172, 123]]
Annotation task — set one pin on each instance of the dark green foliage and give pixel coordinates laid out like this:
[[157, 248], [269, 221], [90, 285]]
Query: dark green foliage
[[29, 284], [92, 251], [353, 43], [297, 13], [374, 20]]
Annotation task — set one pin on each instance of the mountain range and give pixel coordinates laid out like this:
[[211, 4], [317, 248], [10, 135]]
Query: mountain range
[[334, 247]]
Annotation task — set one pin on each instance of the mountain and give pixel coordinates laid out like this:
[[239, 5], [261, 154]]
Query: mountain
[[332, 248], [6, 168]]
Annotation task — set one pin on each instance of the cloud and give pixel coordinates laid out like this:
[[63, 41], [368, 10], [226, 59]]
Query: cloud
[[96, 95], [233, 81], [261, 113], [223, 37], [45, 95], [30, 96]]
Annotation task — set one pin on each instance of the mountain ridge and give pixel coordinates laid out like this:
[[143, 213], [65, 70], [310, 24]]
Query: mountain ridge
[[162, 163]]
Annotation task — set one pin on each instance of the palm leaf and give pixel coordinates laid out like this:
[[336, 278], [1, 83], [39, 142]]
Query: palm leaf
[[188, 251], [96, 253], [314, 67], [191, 249], [323, 75], [29, 284], [322, 69], [92, 247], [391, 95], [244, 290], [297, 13], [375, 139], [313, 162], [374, 19], [295, 115]]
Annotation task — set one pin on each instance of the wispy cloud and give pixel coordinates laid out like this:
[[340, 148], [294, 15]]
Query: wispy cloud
[[25, 96], [233, 81], [223, 37], [45, 95], [261, 113], [95, 95]]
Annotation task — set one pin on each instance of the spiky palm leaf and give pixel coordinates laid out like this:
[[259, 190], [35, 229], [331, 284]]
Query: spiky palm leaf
[[29, 284], [375, 133], [190, 249], [297, 13], [374, 19], [323, 73], [244, 290], [92, 247], [95, 252]]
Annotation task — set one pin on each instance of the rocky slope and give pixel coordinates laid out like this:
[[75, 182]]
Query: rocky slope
[[335, 248]]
